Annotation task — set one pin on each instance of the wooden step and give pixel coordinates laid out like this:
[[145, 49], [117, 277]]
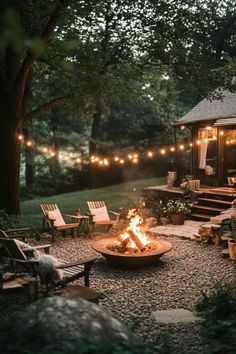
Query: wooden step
[[207, 208], [222, 196], [218, 201], [201, 217]]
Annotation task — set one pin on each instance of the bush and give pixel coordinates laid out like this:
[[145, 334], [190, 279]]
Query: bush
[[218, 308], [6, 221]]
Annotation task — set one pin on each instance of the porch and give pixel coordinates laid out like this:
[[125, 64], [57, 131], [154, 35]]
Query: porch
[[208, 201]]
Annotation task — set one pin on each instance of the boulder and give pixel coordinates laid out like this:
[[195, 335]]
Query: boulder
[[61, 325]]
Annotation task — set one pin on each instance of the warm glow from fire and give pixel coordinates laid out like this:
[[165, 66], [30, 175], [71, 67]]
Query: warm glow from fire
[[135, 225]]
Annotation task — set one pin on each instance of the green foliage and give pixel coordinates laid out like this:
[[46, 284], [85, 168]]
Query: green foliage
[[6, 221], [218, 308], [158, 208], [178, 206]]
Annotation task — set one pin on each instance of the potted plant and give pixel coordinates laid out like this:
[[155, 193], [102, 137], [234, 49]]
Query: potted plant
[[177, 211], [160, 212], [232, 243]]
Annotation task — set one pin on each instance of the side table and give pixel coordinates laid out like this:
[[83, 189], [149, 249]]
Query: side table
[[83, 221], [27, 283]]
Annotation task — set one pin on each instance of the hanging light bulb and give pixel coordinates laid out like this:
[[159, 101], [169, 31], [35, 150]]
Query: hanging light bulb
[[163, 151], [29, 143], [172, 149], [20, 137], [150, 154]]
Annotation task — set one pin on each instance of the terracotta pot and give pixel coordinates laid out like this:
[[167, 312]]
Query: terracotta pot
[[177, 219], [232, 249]]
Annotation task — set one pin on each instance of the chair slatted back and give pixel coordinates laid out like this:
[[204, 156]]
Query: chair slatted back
[[48, 207], [99, 211], [96, 205], [13, 249]]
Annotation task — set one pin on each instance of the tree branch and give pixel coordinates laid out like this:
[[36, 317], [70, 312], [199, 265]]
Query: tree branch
[[45, 37], [49, 106]]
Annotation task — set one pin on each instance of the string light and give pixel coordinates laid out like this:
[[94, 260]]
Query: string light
[[150, 154], [29, 143], [73, 157]]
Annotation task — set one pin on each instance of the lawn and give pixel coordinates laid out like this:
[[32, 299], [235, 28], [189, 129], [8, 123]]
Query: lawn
[[116, 196]]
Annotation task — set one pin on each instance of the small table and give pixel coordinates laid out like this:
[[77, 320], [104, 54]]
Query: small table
[[26, 283], [83, 221]]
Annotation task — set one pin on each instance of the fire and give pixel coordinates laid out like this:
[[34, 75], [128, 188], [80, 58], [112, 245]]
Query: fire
[[134, 231]]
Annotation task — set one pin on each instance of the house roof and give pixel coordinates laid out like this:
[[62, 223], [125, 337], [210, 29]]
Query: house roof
[[212, 110]]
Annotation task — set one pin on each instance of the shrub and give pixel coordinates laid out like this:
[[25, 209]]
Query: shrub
[[6, 221], [218, 308]]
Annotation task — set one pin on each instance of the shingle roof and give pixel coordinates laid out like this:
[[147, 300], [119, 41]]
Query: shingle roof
[[211, 110]]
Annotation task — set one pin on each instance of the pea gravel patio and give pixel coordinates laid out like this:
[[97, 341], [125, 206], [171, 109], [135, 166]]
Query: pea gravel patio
[[175, 282]]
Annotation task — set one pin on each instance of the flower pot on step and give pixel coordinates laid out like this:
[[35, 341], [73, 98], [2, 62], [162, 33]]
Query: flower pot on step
[[177, 219], [232, 249]]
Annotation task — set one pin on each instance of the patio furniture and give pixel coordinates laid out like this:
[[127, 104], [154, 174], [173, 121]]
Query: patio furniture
[[19, 282], [99, 215], [23, 234], [53, 217], [71, 271], [21, 255]]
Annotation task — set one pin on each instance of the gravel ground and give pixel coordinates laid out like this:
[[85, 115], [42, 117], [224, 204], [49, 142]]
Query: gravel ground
[[177, 281]]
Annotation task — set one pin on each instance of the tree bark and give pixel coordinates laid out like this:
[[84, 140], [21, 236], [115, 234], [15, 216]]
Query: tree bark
[[94, 149], [10, 148], [29, 161]]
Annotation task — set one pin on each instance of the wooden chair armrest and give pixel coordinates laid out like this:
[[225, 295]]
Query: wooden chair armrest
[[114, 212], [30, 261], [18, 230], [85, 261], [89, 214], [43, 247]]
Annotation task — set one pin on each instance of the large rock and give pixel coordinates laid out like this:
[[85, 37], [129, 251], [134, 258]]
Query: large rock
[[73, 326]]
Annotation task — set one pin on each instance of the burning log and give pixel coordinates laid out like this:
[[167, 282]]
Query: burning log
[[141, 247]]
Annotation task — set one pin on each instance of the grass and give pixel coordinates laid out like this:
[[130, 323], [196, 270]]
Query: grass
[[116, 196]]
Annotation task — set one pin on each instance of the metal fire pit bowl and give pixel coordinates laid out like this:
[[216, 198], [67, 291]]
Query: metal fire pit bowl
[[135, 260]]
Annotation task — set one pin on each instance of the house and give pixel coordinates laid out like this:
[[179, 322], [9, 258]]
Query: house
[[213, 131], [212, 124]]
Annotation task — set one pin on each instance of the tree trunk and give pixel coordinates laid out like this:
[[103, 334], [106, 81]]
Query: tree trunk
[[29, 161], [10, 168], [94, 149]]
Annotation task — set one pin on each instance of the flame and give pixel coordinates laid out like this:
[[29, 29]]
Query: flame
[[135, 225]]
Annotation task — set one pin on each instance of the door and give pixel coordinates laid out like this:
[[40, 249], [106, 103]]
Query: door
[[229, 149]]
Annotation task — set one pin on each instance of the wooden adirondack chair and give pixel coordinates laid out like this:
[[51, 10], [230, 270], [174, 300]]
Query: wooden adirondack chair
[[71, 271], [53, 218], [99, 215], [23, 234]]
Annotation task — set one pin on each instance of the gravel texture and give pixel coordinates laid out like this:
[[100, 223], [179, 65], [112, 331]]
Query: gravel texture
[[176, 281]]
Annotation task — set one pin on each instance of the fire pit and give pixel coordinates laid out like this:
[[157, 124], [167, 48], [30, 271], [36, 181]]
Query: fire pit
[[133, 248]]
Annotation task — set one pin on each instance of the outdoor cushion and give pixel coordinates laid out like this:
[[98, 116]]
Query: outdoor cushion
[[100, 214], [56, 216]]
